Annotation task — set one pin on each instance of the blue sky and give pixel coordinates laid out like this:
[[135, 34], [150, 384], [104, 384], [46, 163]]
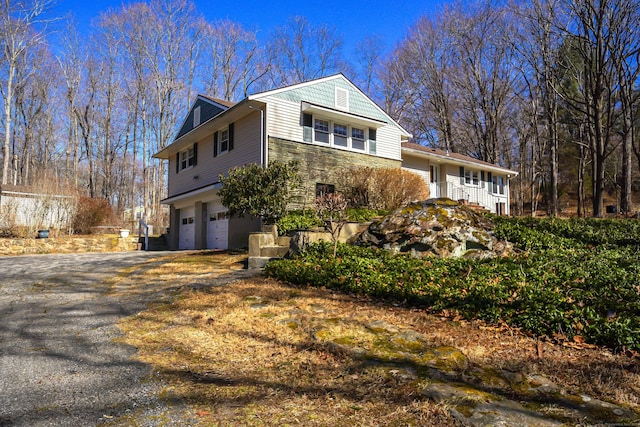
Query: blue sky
[[354, 20]]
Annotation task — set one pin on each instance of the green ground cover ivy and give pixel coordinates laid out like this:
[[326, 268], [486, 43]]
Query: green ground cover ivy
[[578, 277]]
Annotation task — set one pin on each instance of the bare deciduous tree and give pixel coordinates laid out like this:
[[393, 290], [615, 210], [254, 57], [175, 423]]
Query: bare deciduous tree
[[21, 28], [596, 29], [301, 51], [234, 60], [538, 44]]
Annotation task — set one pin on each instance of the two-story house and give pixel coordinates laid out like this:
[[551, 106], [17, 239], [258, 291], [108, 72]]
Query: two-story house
[[326, 125]]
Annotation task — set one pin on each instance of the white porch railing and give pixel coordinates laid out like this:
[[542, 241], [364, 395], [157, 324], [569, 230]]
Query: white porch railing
[[143, 229], [477, 195]]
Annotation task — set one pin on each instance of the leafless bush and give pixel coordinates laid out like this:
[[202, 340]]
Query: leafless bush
[[382, 188], [90, 213], [331, 209], [8, 216]]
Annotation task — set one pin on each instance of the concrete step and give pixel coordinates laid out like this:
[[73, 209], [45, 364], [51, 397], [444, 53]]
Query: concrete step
[[284, 241], [156, 243], [274, 251]]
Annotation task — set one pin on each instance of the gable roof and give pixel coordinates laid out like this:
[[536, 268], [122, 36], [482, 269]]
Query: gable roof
[[321, 92], [209, 108], [424, 151], [220, 101], [318, 93]]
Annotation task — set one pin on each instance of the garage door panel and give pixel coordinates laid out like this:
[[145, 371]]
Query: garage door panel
[[217, 227], [187, 228]]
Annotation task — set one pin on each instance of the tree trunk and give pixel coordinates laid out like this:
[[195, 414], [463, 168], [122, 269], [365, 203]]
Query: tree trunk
[[7, 124], [581, 212]]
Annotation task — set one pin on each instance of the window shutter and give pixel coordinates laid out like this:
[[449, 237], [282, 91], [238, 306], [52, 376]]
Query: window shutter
[[195, 154], [372, 141], [307, 127], [490, 182], [482, 179], [230, 136], [461, 175], [215, 144], [178, 162]]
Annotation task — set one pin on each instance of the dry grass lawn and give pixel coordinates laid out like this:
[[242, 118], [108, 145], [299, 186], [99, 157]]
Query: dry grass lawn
[[250, 351]]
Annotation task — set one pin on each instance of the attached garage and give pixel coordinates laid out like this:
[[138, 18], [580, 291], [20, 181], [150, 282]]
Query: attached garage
[[217, 227], [187, 228]]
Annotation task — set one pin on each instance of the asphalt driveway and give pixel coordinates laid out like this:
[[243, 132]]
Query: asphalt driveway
[[59, 364]]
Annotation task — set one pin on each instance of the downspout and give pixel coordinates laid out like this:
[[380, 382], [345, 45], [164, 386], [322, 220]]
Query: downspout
[[508, 194]]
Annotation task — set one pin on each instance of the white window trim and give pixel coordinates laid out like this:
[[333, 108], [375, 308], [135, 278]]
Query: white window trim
[[220, 140], [184, 156], [349, 136], [322, 131], [363, 139], [196, 116], [472, 173], [498, 188]]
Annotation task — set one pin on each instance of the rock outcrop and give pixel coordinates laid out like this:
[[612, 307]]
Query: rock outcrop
[[440, 227]]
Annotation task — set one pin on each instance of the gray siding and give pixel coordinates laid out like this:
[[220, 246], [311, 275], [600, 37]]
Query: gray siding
[[207, 111], [239, 229], [208, 168]]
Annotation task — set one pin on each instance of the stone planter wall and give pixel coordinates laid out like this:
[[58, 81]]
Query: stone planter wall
[[68, 244], [265, 246]]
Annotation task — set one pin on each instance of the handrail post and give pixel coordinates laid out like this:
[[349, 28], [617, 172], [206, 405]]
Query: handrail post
[[142, 224]]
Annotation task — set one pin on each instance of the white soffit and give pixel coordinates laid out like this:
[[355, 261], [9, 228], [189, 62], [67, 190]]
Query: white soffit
[[343, 116]]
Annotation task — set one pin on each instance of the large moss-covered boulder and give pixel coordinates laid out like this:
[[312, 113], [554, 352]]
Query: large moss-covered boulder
[[440, 227]]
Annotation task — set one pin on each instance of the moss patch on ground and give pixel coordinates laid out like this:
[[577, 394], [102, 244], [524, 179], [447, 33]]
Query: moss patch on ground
[[258, 352]]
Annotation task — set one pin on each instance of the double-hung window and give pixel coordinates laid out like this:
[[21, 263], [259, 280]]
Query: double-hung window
[[336, 134], [498, 185], [187, 158], [224, 141], [357, 139], [321, 133], [471, 177], [340, 135]]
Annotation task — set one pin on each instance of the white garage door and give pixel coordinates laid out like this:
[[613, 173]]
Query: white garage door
[[187, 228], [217, 227]]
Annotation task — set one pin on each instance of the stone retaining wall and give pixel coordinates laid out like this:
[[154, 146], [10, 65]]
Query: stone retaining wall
[[321, 165], [69, 244]]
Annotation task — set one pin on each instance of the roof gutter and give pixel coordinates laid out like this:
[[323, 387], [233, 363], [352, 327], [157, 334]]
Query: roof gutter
[[454, 160]]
